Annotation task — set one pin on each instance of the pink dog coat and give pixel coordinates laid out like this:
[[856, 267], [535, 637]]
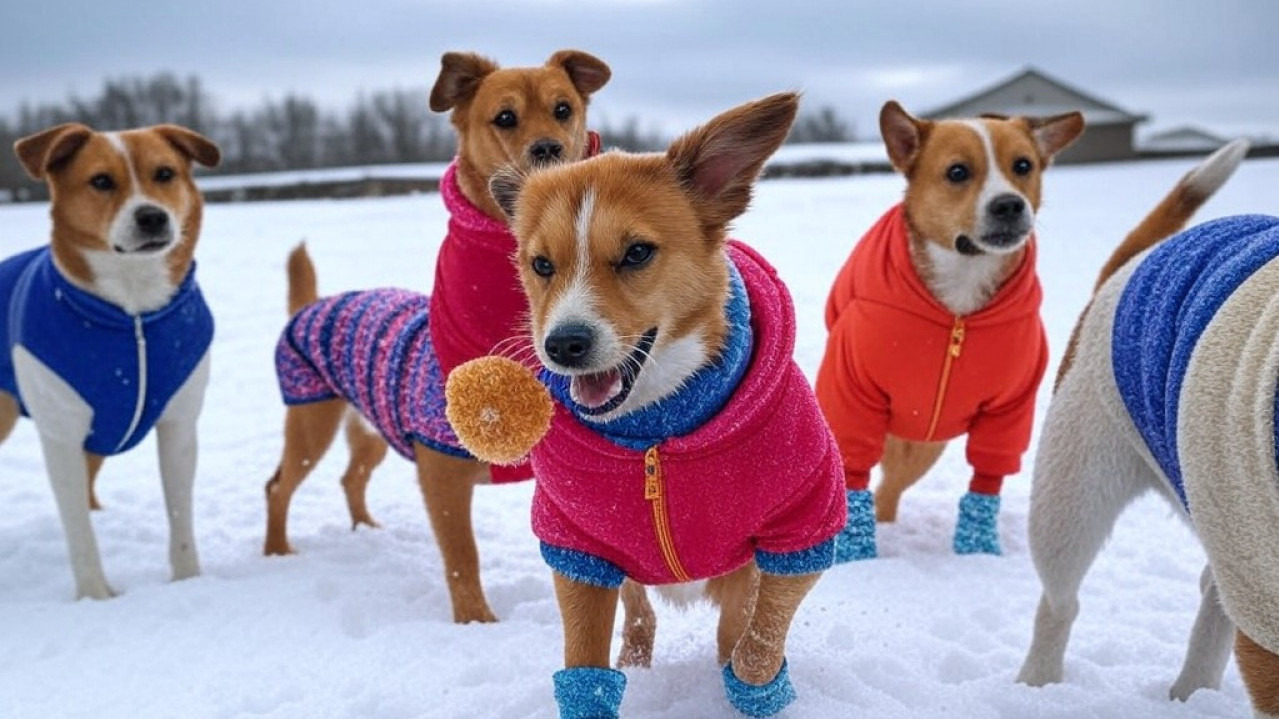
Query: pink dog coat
[[763, 477]]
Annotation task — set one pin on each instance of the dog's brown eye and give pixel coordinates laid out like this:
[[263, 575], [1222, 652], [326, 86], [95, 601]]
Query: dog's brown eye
[[543, 267], [563, 111], [1022, 166], [506, 120], [164, 174], [637, 255], [957, 173], [102, 181]]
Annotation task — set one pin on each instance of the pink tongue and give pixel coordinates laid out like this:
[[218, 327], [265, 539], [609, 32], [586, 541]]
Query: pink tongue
[[594, 390]]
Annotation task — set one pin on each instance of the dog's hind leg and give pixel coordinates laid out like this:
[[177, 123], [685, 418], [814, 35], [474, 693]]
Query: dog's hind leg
[[447, 486], [1260, 669], [639, 626], [904, 464], [368, 449], [94, 463], [1086, 471], [9, 414], [1209, 647], [308, 431]]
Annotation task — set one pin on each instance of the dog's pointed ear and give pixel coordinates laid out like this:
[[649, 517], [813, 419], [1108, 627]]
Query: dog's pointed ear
[[718, 162], [192, 144], [587, 72], [505, 186], [460, 76], [1054, 134], [903, 135], [44, 151]]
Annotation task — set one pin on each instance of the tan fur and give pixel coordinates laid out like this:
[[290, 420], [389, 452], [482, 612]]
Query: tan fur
[[1260, 670], [639, 627], [94, 463], [939, 211], [476, 90], [303, 286], [681, 203], [904, 463]]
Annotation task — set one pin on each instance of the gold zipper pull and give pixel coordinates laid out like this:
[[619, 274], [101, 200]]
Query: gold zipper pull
[[652, 475], [957, 338]]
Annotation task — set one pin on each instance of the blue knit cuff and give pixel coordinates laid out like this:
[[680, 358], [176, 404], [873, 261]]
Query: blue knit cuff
[[762, 701], [583, 567], [857, 539], [589, 692], [977, 531], [805, 561]]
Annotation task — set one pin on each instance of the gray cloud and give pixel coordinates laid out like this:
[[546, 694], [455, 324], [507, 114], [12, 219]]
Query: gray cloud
[[675, 63]]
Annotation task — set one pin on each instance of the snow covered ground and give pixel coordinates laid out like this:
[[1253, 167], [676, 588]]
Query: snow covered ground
[[358, 624]]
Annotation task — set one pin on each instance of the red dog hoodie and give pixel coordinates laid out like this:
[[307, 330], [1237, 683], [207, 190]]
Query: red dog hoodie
[[898, 362]]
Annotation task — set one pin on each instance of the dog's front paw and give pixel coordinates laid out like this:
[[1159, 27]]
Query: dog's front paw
[[759, 701], [857, 539], [977, 531], [589, 692], [94, 590]]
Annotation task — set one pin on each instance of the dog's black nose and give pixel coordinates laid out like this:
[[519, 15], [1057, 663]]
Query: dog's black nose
[[570, 345], [1007, 207], [151, 220], [546, 150]]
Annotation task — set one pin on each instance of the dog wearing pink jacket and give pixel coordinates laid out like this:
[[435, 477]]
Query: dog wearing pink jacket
[[685, 443]]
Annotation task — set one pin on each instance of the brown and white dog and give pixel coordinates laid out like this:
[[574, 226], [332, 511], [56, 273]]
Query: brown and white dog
[[522, 117], [934, 325], [107, 333], [686, 445]]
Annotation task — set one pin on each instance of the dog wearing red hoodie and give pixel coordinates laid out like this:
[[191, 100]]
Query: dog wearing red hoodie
[[934, 319], [339, 356], [685, 444]]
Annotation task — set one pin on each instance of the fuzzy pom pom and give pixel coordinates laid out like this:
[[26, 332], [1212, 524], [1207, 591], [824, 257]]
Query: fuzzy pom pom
[[498, 409]]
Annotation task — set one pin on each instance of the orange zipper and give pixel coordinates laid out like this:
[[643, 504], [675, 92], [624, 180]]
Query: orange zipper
[[953, 350], [653, 485]]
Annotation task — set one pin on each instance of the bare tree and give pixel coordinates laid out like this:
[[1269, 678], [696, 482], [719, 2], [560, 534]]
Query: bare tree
[[825, 125]]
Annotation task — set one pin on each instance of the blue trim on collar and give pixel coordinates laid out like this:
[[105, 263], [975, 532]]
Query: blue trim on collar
[[703, 395]]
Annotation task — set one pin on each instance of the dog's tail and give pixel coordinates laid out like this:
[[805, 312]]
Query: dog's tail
[[303, 289], [1175, 210], [1168, 217]]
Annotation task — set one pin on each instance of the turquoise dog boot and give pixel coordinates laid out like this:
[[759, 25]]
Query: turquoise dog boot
[[977, 531], [756, 701], [589, 692], [857, 539]]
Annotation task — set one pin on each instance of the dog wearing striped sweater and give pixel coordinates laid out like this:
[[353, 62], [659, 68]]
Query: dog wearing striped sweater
[[379, 358], [1169, 384]]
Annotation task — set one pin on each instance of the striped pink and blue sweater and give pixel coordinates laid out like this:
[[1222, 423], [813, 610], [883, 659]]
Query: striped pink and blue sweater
[[374, 350]]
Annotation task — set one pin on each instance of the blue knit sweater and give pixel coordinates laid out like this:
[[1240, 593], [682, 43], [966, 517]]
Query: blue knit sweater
[[1167, 304], [99, 349]]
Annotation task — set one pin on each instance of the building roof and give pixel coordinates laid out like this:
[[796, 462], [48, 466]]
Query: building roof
[[1185, 137], [1031, 92]]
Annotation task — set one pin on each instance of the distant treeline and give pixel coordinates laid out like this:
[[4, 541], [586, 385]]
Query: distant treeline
[[295, 132]]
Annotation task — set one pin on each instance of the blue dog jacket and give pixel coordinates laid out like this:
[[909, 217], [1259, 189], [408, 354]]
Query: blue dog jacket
[[1168, 303], [126, 367]]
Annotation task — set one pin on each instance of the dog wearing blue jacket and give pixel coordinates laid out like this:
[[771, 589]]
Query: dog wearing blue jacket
[[1170, 384], [104, 331]]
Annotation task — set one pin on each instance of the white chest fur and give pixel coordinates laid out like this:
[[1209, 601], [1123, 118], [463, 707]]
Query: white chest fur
[[962, 283]]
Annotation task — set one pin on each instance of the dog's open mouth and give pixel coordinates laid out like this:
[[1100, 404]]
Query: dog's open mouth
[[600, 392]]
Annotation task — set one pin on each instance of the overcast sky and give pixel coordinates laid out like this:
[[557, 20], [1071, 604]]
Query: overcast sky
[[675, 62]]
